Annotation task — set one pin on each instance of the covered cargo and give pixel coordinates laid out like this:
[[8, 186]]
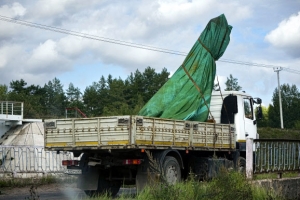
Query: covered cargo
[[187, 94]]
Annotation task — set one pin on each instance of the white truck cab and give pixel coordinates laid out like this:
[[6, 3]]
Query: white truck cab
[[236, 108]]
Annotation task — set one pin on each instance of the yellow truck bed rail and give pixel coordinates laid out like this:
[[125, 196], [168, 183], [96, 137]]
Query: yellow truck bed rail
[[130, 131]]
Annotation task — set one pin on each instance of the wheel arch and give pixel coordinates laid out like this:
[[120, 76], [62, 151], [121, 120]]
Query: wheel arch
[[170, 152]]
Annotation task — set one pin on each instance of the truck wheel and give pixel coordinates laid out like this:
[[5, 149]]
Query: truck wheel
[[242, 165], [105, 187], [171, 170]]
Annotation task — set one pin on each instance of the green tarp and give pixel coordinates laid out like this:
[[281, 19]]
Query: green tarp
[[179, 98]]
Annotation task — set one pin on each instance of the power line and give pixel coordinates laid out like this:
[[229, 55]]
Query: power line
[[131, 44], [88, 36]]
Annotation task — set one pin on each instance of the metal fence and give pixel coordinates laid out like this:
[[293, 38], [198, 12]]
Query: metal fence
[[31, 159], [11, 108], [274, 155]]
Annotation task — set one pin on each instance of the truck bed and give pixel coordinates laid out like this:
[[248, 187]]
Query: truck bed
[[132, 132]]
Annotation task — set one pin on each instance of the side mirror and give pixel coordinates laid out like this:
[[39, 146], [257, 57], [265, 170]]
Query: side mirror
[[257, 100], [259, 114]]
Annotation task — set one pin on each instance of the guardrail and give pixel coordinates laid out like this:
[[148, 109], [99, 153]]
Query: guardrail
[[276, 155], [272, 155], [11, 110], [31, 159]]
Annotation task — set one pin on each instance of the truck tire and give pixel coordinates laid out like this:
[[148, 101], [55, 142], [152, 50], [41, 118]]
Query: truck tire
[[171, 170], [105, 187], [241, 164]]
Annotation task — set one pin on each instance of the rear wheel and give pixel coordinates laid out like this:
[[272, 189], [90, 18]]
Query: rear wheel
[[171, 170]]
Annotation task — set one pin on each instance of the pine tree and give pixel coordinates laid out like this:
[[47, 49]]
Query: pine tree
[[232, 84]]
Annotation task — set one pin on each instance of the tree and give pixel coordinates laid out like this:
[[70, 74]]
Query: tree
[[91, 100], [18, 86], [264, 121], [290, 96], [30, 95], [54, 99], [3, 92], [73, 96], [144, 85], [232, 84]]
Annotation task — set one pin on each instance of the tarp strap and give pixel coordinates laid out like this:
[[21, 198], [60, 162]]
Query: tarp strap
[[207, 49], [199, 90]]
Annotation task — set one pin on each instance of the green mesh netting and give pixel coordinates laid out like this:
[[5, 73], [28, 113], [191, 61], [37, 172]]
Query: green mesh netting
[[179, 98]]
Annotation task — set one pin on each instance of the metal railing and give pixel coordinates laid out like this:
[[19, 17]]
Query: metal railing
[[31, 159], [11, 108], [276, 155]]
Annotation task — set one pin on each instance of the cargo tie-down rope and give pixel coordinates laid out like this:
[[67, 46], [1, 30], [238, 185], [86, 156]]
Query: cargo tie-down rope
[[195, 84]]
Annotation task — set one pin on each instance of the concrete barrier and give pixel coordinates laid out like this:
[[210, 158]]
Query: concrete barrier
[[288, 187]]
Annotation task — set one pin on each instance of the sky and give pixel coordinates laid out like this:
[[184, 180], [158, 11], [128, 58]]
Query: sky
[[264, 32]]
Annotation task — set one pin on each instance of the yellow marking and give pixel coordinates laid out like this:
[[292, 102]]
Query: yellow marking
[[119, 142], [57, 144], [211, 145], [163, 143], [143, 142], [241, 140], [181, 144], [86, 143]]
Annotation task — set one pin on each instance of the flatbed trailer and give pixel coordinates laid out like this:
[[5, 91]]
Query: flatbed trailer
[[136, 132]]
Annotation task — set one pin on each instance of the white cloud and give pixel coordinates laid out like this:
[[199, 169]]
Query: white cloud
[[287, 35], [46, 59], [13, 10]]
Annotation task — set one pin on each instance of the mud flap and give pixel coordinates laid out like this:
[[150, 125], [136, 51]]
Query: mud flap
[[89, 180], [146, 178]]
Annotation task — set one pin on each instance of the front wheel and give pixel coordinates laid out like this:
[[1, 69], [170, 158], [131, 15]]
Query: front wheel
[[171, 170]]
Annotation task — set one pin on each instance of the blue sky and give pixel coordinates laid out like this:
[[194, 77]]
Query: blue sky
[[264, 32]]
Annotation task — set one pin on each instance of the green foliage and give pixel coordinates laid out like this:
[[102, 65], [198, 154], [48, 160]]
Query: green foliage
[[22, 182], [3, 92], [108, 96], [232, 84], [54, 99], [264, 122], [290, 96], [276, 133], [227, 185]]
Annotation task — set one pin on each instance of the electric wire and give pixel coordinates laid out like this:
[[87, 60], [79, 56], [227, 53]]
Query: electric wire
[[131, 44]]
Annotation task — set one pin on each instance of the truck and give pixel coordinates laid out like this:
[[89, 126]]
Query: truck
[[131, 149]]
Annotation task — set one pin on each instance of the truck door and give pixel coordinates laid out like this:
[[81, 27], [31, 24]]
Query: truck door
[[249, 119]]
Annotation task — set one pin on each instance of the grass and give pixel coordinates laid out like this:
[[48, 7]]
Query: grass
[[274, 175], [23, 182], [276, 133], [227, 185]]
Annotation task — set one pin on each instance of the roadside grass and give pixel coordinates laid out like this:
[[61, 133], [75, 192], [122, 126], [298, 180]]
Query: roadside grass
[[276, 133], [35, 181], [274, 175], [227, 185]]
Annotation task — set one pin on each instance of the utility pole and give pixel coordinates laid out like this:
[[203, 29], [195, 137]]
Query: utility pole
[[278, 69]]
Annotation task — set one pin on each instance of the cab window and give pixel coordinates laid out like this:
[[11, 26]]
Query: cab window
[[248, 109]]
